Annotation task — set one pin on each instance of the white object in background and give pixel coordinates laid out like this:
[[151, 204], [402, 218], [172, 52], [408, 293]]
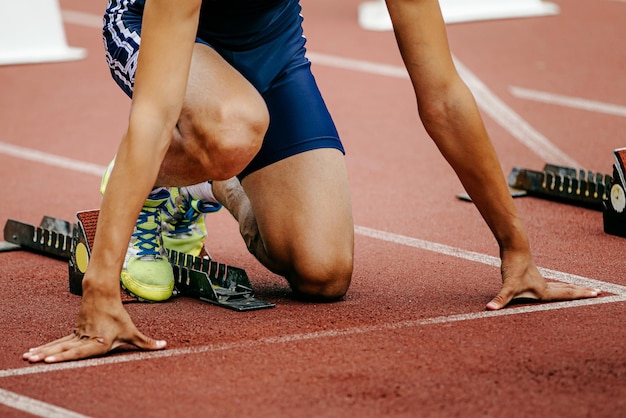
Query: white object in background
[[32, 32], [373, 15]]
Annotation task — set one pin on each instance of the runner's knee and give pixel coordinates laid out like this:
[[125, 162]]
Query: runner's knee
[[322, 279], [236, 137], [226, 142]]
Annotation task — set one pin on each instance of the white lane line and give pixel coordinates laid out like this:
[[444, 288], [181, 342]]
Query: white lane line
[[568, 101], [50, 159], [512, 122], [484, 259], [35, 407], [294, 338], [358, 65], [487, 100]]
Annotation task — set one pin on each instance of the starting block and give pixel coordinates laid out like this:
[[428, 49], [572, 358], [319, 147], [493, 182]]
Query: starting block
[[563, 184], [584, 188], [614, 210], [213, 282], [196, 277]]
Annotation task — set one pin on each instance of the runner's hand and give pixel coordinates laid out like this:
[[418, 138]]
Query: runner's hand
[[102, 326], [521, 280]]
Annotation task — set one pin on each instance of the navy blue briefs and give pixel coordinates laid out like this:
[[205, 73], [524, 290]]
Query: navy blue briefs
[[268, 48]]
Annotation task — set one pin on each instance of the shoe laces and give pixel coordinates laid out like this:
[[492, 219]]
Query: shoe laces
[[147, 233], [184, 213], [148, 227], [185, 216]]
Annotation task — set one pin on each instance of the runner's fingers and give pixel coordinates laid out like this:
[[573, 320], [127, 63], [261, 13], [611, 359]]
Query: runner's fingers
[[38, 353], [144, 342], [52, 343], [556, 291], [552, 292], [69, 344], [78, 349], [502, 299]]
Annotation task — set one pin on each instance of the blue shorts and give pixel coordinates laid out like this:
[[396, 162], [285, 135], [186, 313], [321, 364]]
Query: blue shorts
[[267, 48]]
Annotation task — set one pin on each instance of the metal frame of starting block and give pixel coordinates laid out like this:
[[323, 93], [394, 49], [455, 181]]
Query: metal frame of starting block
[[568, 185], [614, 211], [196, 277], [577, 187], [581, 188]]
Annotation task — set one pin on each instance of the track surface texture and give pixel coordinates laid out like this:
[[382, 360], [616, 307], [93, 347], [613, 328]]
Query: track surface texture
[[412, 338]]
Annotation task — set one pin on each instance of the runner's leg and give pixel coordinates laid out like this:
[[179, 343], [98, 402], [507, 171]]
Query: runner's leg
[[221, 126], [296, 218]]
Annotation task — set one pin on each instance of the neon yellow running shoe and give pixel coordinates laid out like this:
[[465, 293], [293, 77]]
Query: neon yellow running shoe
[[184, 227], [147, 274]]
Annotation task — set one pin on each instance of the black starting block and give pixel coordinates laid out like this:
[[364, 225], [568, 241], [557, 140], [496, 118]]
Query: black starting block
[[563, 184], [214, 282], [578, 187], [614, 210], [52, 237], [196, 277], [581, 188]]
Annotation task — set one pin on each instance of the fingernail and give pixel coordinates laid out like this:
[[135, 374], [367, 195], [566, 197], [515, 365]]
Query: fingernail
[[33, 358], [161, 344], [492, 306], [50, 359]]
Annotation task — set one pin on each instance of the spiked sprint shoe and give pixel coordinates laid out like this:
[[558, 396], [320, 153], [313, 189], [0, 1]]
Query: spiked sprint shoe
[[184, 228], [147, 273]]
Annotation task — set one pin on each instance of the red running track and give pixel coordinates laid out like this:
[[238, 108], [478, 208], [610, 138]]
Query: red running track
[[412, 337]]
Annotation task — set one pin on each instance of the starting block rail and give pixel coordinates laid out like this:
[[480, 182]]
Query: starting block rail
[[52, 236]]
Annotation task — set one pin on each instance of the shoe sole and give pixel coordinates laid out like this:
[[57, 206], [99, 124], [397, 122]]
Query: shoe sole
[[146, 293]]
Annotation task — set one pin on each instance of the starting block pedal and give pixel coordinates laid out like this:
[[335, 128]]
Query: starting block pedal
[[197, 277], [614, 209], [83, 236], [563, 184]]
